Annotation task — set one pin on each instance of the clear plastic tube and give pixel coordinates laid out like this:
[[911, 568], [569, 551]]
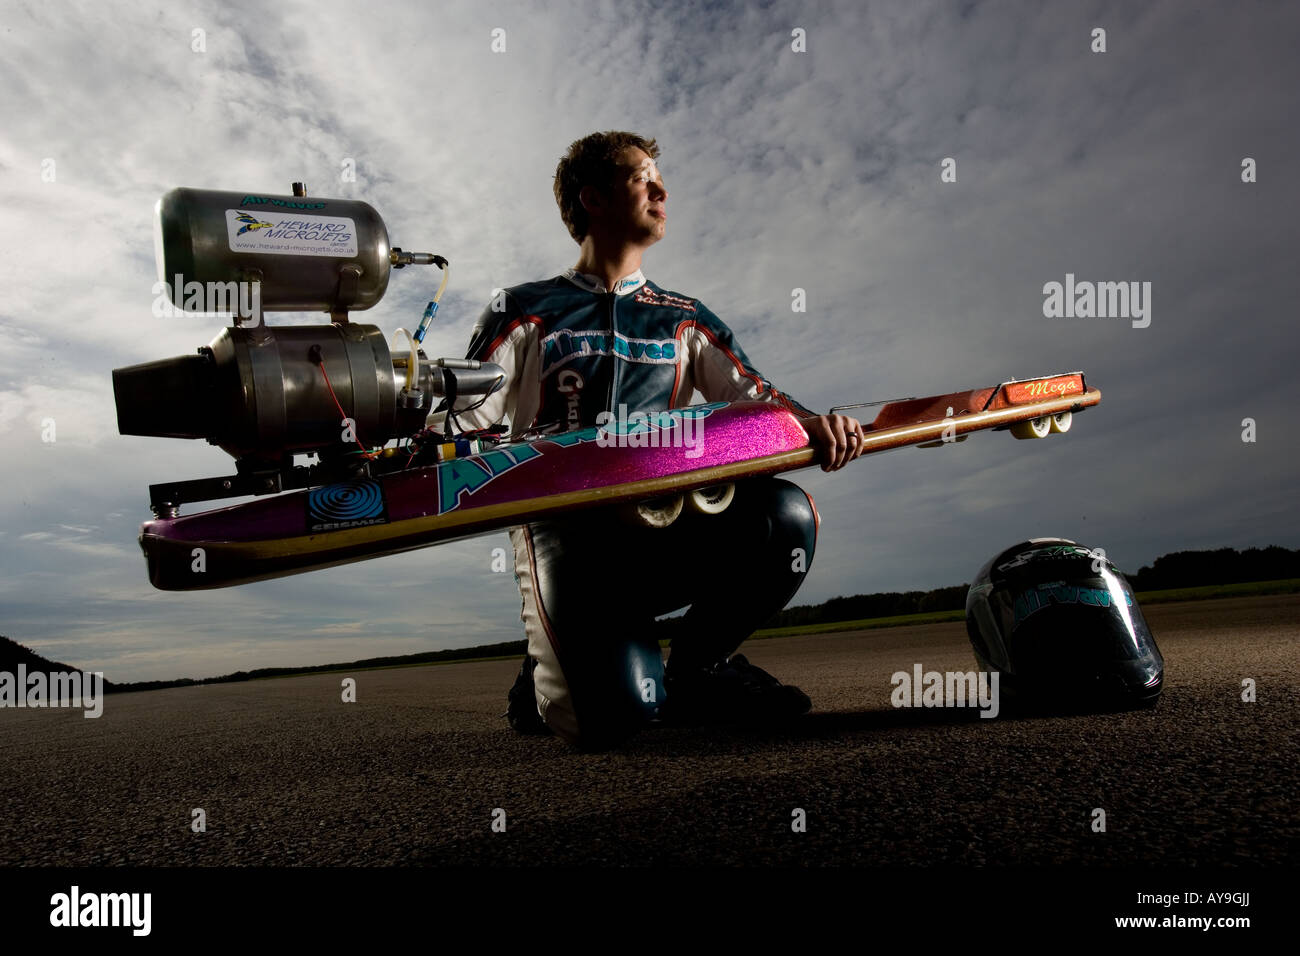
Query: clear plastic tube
[[412, 363], [432, 308]]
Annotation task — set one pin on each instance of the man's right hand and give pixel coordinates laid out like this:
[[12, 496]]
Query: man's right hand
[[840, 437]]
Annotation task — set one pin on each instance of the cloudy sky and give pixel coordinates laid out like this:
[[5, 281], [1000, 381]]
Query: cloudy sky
[[817, 169]]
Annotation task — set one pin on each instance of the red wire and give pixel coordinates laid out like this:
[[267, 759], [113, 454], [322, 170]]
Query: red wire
[[355, 436]]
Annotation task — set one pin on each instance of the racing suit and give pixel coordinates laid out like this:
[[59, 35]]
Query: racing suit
[[591, 586]]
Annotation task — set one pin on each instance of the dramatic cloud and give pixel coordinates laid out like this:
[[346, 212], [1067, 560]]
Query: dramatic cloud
[[817, 170]]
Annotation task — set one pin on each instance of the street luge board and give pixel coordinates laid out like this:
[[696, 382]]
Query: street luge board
[[621, 462]]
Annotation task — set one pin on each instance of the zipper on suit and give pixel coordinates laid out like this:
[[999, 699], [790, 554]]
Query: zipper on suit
[[613, 354]]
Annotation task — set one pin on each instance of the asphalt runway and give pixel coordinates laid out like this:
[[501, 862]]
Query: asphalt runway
[[417, 769]]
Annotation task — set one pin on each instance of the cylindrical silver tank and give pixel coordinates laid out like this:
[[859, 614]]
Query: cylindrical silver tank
[[310, 254]]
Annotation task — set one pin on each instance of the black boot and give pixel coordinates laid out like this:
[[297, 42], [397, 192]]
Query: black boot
[[732, 691], [522, 707]]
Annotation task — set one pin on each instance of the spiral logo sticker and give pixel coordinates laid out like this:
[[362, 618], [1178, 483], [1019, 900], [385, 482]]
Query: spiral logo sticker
[[349, 504]]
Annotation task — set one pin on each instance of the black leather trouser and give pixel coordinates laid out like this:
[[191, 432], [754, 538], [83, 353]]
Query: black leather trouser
[[593, 584]]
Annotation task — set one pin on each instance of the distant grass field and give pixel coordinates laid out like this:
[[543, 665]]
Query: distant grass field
[[1245, 589], [1206, 593]]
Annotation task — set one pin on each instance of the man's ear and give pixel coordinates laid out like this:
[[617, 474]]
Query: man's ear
[[592, 199]]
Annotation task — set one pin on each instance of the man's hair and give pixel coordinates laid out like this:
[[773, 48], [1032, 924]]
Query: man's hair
[[591, 161]]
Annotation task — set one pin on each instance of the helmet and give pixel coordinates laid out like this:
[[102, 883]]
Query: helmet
[[1061, 625]]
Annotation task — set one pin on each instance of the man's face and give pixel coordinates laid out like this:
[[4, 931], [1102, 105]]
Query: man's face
[[634, 206]]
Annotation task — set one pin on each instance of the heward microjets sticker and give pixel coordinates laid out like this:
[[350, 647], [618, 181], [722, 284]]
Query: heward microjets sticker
[[291, 234], [348, 504]]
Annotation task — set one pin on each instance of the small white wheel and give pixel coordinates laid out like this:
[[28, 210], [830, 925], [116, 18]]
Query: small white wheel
[[657, 512], [1034, 428], [713, 499], [1061, 422]]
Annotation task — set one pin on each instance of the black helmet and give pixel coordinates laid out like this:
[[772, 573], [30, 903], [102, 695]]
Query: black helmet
[[1061, 625]]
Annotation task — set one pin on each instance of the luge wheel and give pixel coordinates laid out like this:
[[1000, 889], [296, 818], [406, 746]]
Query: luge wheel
[[1061, 422], [657, 512], [1033, 428], [713, 499]]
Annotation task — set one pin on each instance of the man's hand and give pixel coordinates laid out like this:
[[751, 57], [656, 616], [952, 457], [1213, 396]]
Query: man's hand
[[838, 436]]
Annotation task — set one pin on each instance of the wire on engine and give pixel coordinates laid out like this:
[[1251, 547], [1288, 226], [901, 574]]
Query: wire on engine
[[364, 452]]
